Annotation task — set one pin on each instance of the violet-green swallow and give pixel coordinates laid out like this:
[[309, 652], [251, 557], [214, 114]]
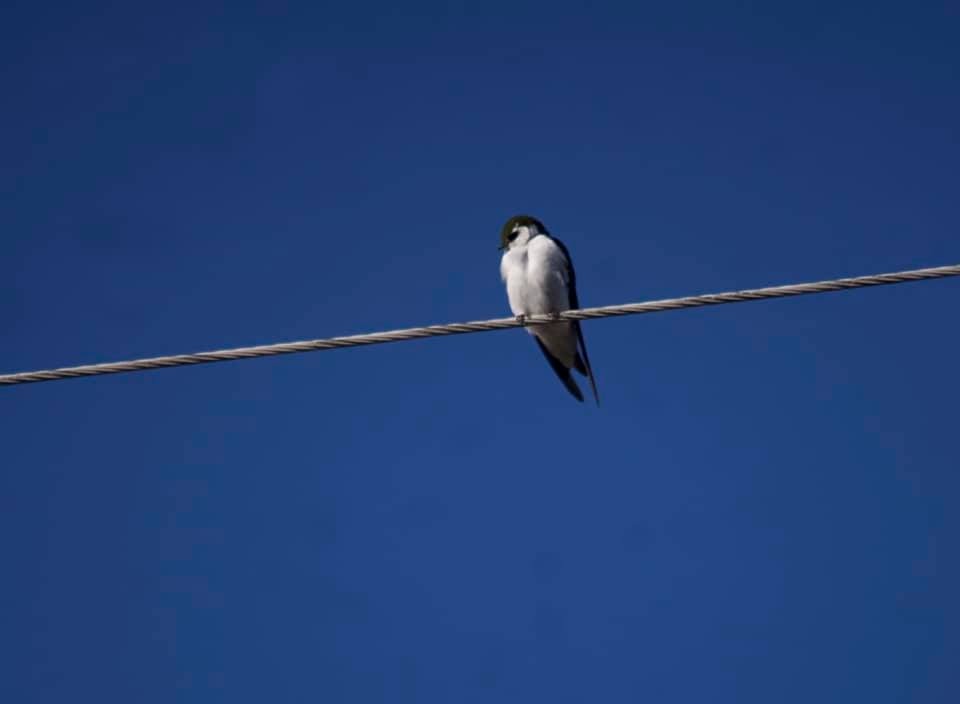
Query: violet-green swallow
[[540, 280]]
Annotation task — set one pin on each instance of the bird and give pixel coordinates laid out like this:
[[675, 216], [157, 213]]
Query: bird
[[538, 272]]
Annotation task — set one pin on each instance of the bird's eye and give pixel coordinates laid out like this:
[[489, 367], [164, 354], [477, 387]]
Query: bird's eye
[[512, 236]]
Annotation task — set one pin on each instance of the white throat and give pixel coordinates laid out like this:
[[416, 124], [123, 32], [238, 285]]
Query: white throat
[[525, 233]]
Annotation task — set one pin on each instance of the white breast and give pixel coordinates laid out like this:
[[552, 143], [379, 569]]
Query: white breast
[[536, 277]]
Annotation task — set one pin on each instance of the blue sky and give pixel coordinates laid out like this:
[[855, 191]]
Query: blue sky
[[763, 509]]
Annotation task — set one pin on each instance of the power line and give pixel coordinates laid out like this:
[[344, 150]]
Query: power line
[[377, 338]]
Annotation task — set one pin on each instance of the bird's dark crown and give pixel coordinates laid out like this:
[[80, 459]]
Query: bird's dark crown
[[518, 221]]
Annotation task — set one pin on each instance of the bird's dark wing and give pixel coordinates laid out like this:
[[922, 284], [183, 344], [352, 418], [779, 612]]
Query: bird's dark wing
[[583, 359], [561, 371]]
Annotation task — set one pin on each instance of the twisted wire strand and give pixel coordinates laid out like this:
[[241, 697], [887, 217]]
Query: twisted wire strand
[[377, 338]]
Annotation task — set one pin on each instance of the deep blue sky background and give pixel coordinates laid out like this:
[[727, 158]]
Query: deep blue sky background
[[764, 509]]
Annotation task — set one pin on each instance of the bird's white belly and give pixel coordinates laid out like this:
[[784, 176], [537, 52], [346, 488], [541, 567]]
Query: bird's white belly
[[534, 291], [536, 286], [535, 279]]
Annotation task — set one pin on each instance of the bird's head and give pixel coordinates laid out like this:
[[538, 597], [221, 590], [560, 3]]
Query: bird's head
[[518, 230]]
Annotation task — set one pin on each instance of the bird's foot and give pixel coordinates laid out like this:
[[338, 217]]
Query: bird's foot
[[522, 319]]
